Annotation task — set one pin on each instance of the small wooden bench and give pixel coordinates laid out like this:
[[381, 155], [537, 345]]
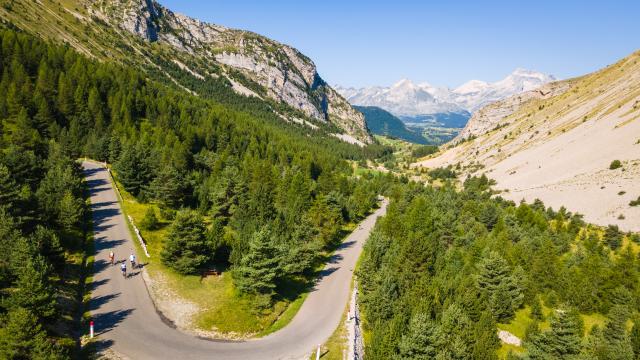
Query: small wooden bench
[[210, 272]]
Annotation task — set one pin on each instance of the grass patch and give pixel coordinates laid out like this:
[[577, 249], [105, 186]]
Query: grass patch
[[590, 320], [336, 346], [505, 349], [522, 320], [286, 316]]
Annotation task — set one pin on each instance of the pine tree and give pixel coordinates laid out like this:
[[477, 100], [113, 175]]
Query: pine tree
[[150, 220], [418, 343], [501, 302], [43, 119], [9, 235], [562, 341], [169, 187], [48, 244], [532, 331], [133, 169], [70, 211], [454, 335], [536, 310], [618, 343], [22, 134], [22, 337], [114, 149], [612, 237], [186, 248], [259, 268], [325, 219], [495, 279], [8, 188], [486, 341], [33, 289]]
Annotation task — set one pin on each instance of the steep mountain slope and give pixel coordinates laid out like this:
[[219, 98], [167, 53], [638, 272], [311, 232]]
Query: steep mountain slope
[[493, 114], [405, 98], [382, 122], [205, 59], [558, 145]]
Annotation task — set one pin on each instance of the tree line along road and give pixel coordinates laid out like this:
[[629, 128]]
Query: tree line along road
[[126, 321]]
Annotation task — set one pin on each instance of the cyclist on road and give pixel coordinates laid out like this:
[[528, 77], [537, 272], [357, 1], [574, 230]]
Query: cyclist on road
[[123, 268], [112, 257], [132, 258]]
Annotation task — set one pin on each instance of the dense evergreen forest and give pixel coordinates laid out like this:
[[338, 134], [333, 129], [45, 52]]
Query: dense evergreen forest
[[444, 266], [43, 232], [246, 189]]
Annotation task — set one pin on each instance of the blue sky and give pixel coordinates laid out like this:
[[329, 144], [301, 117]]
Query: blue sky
[[363, 43]]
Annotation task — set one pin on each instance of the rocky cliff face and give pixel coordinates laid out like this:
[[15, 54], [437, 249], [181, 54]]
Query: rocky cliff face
[[255, 65]]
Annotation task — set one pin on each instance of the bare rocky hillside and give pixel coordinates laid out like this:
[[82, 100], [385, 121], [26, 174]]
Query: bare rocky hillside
[[557, 144]]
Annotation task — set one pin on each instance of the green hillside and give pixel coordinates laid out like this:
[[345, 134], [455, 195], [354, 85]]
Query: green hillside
[[447, 267], [185, 54], [381, 122], [248, 183]]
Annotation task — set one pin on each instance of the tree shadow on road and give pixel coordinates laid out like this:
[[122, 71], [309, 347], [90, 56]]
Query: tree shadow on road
[[97, 283], [93, 171], [106, 322], [97, 302]]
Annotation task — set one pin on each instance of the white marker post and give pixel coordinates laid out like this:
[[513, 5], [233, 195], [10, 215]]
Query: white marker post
[[318, 353], [91, 329]]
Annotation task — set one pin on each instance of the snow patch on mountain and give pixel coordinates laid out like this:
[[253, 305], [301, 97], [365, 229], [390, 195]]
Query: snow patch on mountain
[[406, 98]]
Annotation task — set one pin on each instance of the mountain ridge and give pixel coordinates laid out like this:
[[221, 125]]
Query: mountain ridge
[[205, 59], [405, 98], [382, 122]]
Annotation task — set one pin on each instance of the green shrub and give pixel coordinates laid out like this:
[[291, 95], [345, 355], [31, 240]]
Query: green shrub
[[424, 151], [615, 164], [167, 213], [612, 237], [443, 173], [635, 202], [150, 220]]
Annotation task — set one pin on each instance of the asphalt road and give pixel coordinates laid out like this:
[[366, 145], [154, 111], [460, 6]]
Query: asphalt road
[[126, 321]]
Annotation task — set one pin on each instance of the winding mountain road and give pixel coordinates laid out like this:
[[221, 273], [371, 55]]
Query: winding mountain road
[[127, 323]]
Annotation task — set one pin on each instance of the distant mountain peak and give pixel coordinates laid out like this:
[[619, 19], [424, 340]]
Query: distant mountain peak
[[406, 98], [471, 86]]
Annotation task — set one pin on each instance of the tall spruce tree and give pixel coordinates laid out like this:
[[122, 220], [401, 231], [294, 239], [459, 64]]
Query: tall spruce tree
[[419, 342], [22, 337], [8, 188], [618, 343], [498, 283], [186, 248], [259, 268], [169, 187], [562, 341], [33, 288]]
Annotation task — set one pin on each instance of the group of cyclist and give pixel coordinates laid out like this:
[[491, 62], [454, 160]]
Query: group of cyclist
[[123, 264]]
